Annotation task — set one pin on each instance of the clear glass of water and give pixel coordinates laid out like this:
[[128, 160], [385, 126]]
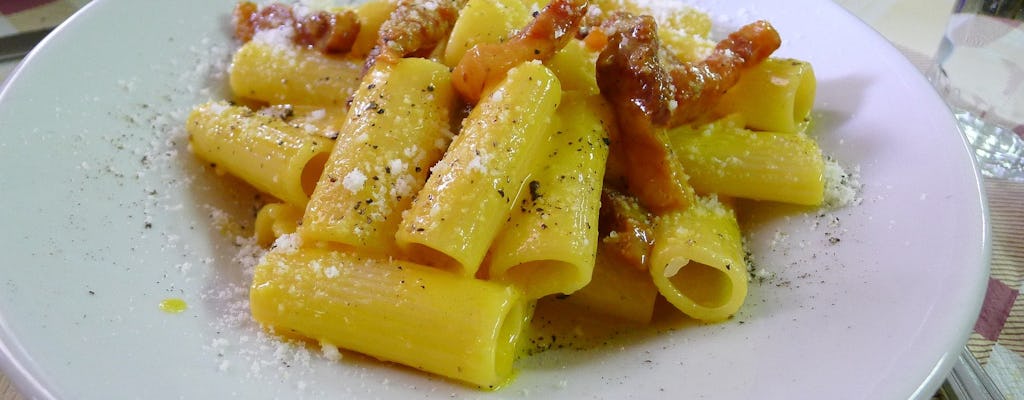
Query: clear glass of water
[[980, 72]]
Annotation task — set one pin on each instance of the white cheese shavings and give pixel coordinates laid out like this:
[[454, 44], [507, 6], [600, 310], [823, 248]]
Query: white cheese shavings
[[278, 38], [330, 351], [354, 180], [480, 162], [288, 243], [842, 187]]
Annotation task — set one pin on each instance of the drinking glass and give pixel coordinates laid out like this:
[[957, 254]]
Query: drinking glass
[[979, 70]]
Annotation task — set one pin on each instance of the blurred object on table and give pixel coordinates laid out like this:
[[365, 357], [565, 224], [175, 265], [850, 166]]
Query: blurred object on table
[[20, 16]]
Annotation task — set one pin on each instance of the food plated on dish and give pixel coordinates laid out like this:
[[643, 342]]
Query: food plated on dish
[[806, 260]]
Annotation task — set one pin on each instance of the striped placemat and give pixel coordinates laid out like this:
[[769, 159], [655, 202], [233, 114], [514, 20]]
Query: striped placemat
[[998, 338]]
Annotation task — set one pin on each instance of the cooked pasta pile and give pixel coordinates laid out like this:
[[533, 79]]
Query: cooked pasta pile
[[440, 165]]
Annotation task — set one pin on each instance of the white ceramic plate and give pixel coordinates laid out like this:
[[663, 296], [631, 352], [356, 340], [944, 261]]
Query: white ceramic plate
[[105, 215]]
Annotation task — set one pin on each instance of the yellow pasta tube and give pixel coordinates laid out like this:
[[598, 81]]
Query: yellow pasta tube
[[484, 21], [275, 220], [548, 245], [472, 190], [697, 260], [575, 67], [618, 290], [775, 96], [724, 158], [263, 150], [398, 127], [372, 15], [433, 320], [278, 72]]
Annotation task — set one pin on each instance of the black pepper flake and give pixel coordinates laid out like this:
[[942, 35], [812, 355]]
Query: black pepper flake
[[369, 201], [148, 225], [371, 86], [607, 141], [430, 88], [534, 190], [380, 111], [833, 240], [501, 193], [536, 51]]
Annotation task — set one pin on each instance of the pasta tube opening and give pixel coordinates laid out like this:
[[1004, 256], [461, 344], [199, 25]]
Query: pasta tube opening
[[312, 171], [775, 96], [432, 257], [264, 150], [543, 277], [508, 333], [697, 261], [703, 285], [803, 100]]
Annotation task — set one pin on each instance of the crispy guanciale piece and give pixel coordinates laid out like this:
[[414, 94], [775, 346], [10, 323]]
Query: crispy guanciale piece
[[486, 64], [328, 32], [414, 29], [625, 228], [651, 91]]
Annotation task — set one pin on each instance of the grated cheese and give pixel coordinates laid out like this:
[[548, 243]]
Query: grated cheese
[[354, 180]]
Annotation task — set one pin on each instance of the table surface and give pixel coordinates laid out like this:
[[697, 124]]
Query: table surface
[[998, 338]]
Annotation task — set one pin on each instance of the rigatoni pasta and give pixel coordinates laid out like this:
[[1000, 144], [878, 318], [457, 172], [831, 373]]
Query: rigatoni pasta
[[484, 21], [274, 220], [381, 307], [398, 126], [421, 204], [726, 158], [549, 242], [775, 96], [617, 290], [472, 190], [274, 73], [697, 260], [263, 150]]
